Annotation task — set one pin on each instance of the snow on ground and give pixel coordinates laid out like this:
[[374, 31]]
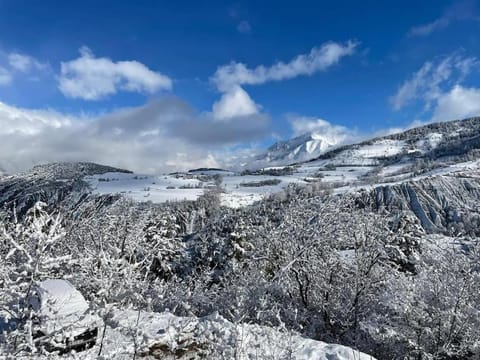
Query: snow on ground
[[237, 193], [431, 141], [157, 189], [436, 245], [396, 168], [368, 154], [166, 336], [237, 200], [381, 148], [347, 256], [337, 173], [467, 166]]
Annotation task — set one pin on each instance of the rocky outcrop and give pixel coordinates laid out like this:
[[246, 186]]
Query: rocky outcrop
[[51, 184], [447, 204]]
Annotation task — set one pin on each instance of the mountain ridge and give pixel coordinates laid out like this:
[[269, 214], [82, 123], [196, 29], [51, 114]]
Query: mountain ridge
[[296, 150]]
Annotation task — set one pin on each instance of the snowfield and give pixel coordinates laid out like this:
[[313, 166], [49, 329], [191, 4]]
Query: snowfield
[[157, 189], [381, 148], [238, 190], [166, 336]]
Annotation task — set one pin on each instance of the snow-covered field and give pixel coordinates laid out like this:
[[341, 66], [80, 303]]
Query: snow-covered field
[[381, 148], [157, 189], [236, 194], [235, 189]]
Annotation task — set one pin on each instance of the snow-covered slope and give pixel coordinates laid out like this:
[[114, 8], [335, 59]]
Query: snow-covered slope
[[442, 203], [157, 189], [301, 148]]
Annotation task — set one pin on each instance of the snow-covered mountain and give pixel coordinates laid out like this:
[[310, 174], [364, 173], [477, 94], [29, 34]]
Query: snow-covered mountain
[[315, 145], [300, 148]]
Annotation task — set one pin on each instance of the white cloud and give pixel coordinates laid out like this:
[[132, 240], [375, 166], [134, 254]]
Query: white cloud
[[161, 136], [24, 63], [14, 121], [92, 78], [438, 85], [428, 82], [460, 10], [319, 59], [5, 76], [330, 134], [302, 125], [458, 103], [235, 102], [427, 29]]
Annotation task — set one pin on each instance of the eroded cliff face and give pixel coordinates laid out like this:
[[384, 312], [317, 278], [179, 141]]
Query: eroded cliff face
[[448, 204]]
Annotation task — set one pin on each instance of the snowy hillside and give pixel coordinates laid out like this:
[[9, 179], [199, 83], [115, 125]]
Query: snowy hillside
[[317, 145], [301, 148], [157, 189]]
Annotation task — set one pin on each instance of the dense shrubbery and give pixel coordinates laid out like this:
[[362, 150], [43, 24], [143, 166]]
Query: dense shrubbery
[[315, 263], [268, 182], [276, 171]]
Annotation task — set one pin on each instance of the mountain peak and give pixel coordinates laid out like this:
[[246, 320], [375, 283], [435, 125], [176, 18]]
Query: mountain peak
[[300, 148]]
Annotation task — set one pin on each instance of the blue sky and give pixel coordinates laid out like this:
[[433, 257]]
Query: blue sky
[[215, 77]]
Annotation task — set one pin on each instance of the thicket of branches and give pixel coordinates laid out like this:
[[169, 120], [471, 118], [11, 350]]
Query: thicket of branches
[[303, 259]]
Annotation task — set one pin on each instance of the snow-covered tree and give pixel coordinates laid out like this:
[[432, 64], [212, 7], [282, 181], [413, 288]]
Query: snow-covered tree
[[33, 251]]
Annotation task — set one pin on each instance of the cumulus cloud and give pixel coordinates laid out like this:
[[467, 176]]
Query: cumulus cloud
[[460, 10], [160, 136], [24, 63], [428, 82], [14, 121], [92, 78], [228, 79], [458, 103], [304, 124], [438, 85], [319, 59], [320, 129], [235, 102], [5, 76]]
